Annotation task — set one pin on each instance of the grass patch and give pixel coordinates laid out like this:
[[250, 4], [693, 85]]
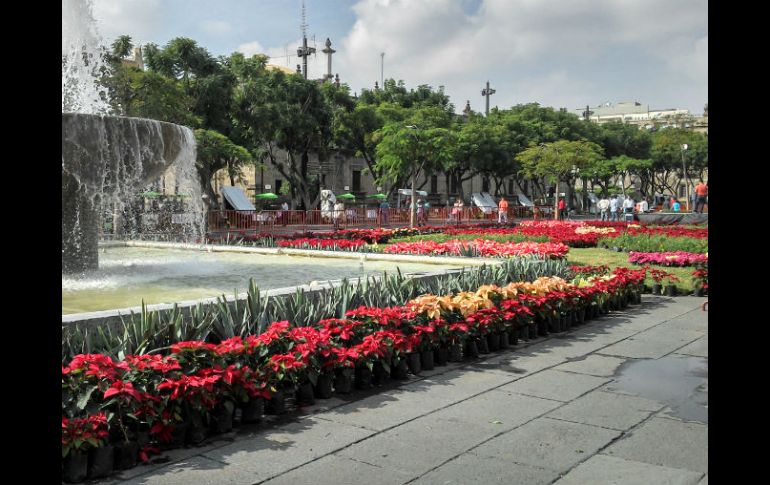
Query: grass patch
[[440, 238], [598, 256]]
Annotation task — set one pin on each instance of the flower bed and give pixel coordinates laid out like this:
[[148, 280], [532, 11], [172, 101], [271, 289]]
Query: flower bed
[[677, 258], [324, 244], [480, 247], [655, 243], [198, 383]]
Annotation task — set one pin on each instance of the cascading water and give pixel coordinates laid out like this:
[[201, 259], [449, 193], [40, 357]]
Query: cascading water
[[108, 160]]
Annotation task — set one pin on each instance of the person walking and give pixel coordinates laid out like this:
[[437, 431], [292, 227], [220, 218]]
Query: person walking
[[420, 213], [562, 208], [628, 207], [339, 214], [502, 211], [384, 212], [644, 206], [701, 192], [614, 208], [604, 208]]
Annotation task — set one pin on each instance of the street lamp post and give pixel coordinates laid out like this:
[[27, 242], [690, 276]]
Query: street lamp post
[[684, 176], [413, 205]]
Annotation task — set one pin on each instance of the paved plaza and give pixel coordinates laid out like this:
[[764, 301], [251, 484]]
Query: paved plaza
[[619, 400]]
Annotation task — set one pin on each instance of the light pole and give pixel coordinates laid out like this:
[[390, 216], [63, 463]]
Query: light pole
[[684, 176], [413, 205]]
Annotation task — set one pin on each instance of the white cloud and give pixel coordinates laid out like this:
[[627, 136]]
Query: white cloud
[[143, 20], [251, 48], [513, 42]]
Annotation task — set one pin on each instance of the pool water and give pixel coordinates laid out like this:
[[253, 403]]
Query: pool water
[[128, 275]]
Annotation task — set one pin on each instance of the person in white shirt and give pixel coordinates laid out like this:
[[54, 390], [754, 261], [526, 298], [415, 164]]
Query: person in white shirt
[[614, 208], [644, 206], [628, 205], [604, 206]]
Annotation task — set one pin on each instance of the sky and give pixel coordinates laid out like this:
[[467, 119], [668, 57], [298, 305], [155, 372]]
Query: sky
[[559, 53]]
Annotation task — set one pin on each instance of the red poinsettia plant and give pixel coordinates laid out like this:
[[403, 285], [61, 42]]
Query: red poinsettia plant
[[661, 276], [78, 435]]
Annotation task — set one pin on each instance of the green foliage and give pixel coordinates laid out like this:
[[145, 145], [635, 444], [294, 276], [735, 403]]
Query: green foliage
[[654, 243], [440, 238], [557, 159], [152, 331]]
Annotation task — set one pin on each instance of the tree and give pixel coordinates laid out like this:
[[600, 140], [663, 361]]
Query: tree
[[285, 113], [405, 151], [122, 47], [215, 152], [667, 153], [556, 161]]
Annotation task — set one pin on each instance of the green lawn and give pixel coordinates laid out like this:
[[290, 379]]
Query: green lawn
[[597, 256]]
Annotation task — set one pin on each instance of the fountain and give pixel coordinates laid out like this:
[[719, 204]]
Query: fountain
[[107, 159]]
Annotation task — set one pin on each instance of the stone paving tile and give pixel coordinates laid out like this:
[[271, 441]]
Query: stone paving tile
[[472, 468], [420, 445], [699, 348], [498, 410], [397, 406], [197, 470], [595, 365], [705, 480], [284, 448], [609, 470], [548, 443], [665, 442], [340, 471], [554, 384], [607, 410], [652, 344]]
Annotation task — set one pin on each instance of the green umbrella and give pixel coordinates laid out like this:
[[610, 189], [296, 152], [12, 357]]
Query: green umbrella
[[346, 196], [378, 196], [267, 195]]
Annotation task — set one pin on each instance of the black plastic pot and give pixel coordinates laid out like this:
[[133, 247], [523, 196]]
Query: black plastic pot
[[277, 403], [414, 363], [543, 327], [400, 370], [493, 341], [514, 336], [75, 467], [670, 290], [482, 345], [343, 380], [379, 374], [305, 394], [441, 355], [504, 340], [252, 411], [581, 316], [101, 461], [532, 330], [656, 288], [471, 349], [363, 377], [196, 429], [427, 359], [698, 292], [524, 332], [323, 386], [455, 353], [554, 324], [178, 435], [222, 417], [126, 454]]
